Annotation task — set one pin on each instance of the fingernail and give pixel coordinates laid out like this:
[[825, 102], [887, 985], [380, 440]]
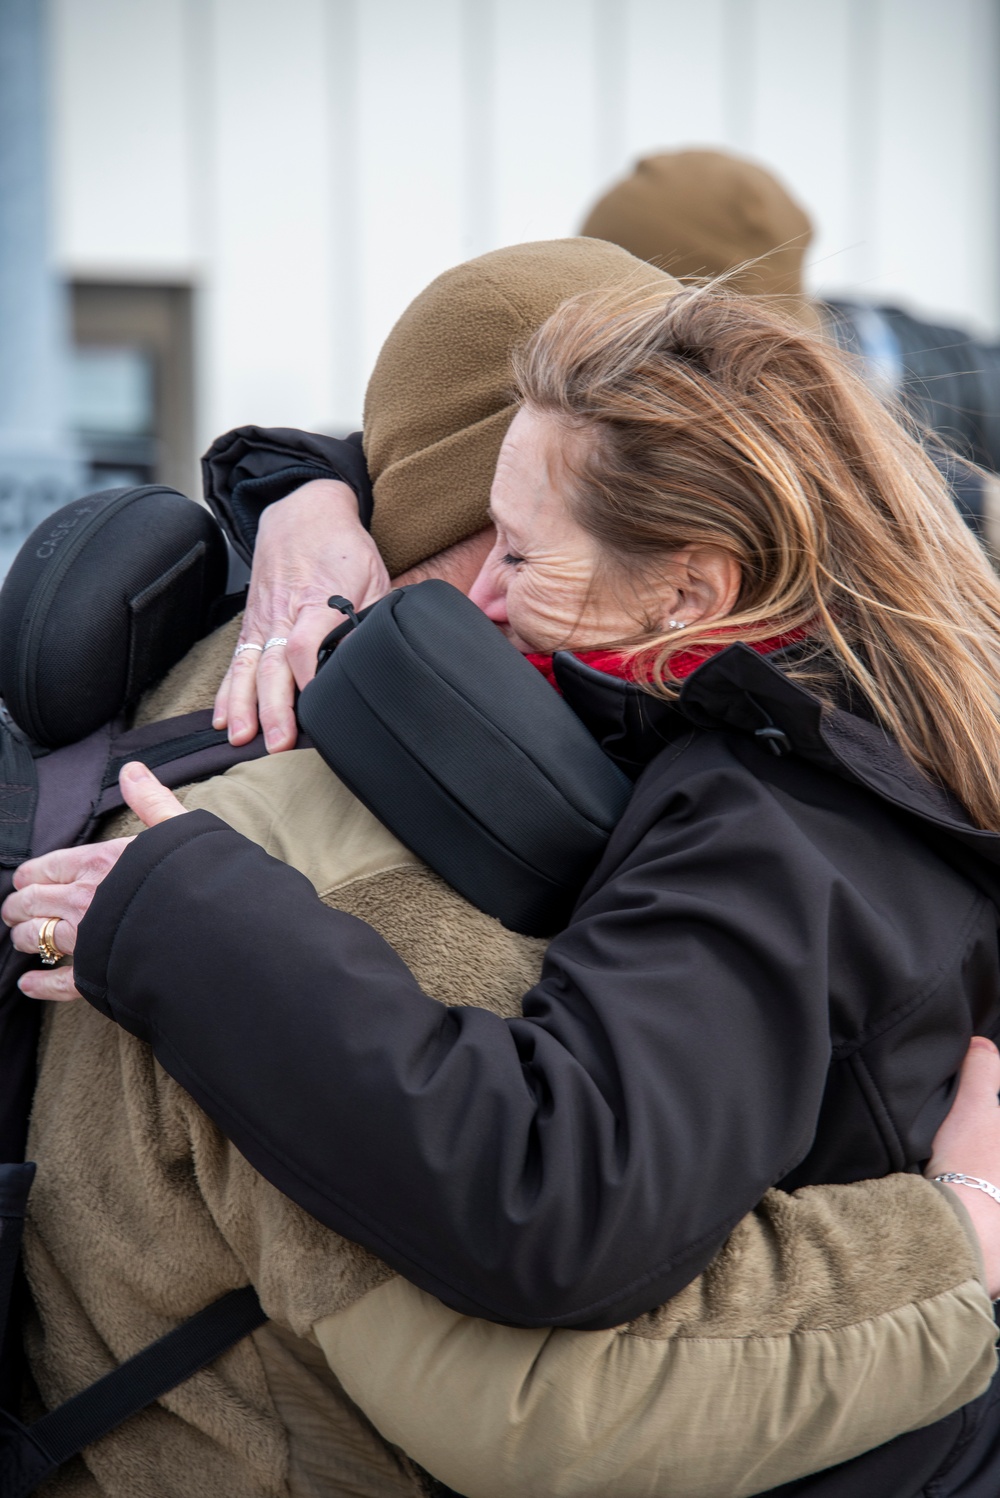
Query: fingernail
[[219, 721], [134, 771], [237, 726], [980, 1043], [272, 738]]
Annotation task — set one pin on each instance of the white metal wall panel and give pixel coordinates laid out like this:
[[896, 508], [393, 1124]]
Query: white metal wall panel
[[123, 152], [934, 138], [801, 122], [545, 94], [267, 310], [411, 163], [318, 161], [675, 75]]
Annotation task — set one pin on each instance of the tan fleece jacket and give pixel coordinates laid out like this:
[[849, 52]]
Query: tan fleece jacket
[[832, 1320]]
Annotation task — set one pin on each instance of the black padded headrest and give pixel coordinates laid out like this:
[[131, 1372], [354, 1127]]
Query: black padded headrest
[[103, 598], [464, 751]]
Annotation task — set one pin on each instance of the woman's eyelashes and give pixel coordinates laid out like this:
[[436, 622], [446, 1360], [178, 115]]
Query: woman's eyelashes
[[510, 560]]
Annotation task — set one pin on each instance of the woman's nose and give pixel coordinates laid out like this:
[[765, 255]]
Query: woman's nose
[[486, 595]]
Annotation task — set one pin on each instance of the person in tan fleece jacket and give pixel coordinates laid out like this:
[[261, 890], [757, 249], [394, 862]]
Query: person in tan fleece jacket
[[142, 1213]]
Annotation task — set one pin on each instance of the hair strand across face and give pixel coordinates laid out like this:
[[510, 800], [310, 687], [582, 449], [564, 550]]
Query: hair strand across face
[[715, 423]]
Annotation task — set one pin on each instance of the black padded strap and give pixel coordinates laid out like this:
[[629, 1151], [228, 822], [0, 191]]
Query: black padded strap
[[180, 750], [159, 1368], [164, 753], [15, 1183], [18, 798]]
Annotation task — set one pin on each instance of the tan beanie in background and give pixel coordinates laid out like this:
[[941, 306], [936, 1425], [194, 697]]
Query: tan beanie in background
[[439, 400], [702, 213]]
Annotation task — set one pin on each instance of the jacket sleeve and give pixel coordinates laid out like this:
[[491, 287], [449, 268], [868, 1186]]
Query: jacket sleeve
[[251, 467], [816, 1335], [574, 1166]]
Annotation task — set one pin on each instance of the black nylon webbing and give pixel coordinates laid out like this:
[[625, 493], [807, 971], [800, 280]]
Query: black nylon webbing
[[164, 753], [160, 1367], [15, 1183], [18, 798]]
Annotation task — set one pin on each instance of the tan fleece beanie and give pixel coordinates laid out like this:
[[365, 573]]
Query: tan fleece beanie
[[439, 400], [702, 213]]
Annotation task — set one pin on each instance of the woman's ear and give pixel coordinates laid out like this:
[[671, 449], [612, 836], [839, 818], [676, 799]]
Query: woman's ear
[[707, 581]]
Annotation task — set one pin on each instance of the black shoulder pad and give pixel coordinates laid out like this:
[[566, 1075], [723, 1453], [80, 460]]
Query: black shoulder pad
[[102, 599], [464, 751]]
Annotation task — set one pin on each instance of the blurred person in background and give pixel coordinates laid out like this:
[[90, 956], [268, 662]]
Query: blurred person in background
[[706, 213]]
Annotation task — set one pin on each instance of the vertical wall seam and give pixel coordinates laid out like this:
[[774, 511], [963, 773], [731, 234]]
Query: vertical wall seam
[[477, 19], [863, 134], [200, 22], [740, 22], [343, 55], [612, 38], [993, 95]]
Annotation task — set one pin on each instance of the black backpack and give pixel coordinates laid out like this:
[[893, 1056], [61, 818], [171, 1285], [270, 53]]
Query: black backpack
[[104, 597], [420, 705]]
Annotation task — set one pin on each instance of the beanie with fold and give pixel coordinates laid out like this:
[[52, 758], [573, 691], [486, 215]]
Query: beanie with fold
[[700, 213], [440, 401]]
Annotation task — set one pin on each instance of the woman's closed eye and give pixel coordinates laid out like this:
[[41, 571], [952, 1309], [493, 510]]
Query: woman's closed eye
[[510, 560]]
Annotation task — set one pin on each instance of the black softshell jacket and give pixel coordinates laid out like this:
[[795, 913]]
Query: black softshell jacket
[[771, 977]]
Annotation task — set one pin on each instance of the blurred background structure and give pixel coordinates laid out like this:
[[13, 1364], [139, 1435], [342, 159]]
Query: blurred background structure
[[244, 195], [39, 469]]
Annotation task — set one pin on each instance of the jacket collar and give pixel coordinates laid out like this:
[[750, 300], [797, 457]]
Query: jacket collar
[[742, 691]]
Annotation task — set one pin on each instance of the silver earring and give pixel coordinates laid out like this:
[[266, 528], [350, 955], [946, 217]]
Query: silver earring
[[675, 623]]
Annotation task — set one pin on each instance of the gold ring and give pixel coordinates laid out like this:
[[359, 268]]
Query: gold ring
[[47, 949]]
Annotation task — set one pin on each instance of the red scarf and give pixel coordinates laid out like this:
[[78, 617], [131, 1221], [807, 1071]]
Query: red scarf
[[682, 662]]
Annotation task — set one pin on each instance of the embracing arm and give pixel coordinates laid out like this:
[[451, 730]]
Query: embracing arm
[[815, 1335], [560, 1168], [252, 467], [816, 1304], [307, 500]]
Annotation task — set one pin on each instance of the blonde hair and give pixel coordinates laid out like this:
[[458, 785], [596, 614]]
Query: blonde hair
[[715, 422]]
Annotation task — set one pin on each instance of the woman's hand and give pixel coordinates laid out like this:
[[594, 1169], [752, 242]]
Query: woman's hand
[[969, 1142], [62, 884], [309, 545]]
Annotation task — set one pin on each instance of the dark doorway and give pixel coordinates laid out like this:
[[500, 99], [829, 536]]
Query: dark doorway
[[132, 384]]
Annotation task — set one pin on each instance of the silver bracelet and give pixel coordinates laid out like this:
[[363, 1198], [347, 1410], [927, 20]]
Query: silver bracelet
[[956, 1178]]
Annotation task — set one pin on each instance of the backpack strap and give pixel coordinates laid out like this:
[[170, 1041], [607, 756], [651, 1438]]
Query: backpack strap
[[18, 797], [30, 1453], [15, 1183], [54, 800], [180, 750], [461, 748]]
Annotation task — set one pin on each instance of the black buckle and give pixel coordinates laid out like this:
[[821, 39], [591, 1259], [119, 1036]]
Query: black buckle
[[776, 740], [330, 642]]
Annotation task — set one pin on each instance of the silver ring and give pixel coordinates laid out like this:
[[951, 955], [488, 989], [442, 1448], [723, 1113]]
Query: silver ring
[[275, 640], [245, 645]]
